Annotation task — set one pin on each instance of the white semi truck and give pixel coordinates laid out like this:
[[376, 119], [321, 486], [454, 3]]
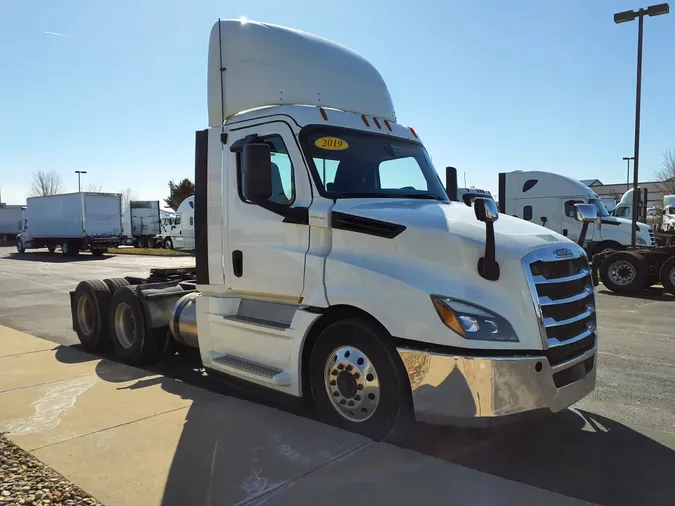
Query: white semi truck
[[181, 232], [548, 199], [141, 223], [72, 221], [362, 287]]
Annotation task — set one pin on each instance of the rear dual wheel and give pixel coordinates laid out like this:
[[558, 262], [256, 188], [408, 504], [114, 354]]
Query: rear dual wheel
[[624, 271], [668, 275], [92, 306]]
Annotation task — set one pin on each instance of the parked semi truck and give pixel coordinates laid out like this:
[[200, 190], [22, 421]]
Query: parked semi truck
[[364, 289], [181, 232], [548, 199], [72, 221], [141, 223]]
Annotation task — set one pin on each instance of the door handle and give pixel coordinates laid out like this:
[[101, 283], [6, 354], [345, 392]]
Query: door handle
[[237, 263]]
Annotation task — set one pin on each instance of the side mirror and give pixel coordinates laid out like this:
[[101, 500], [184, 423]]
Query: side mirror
[[585, 213], [256, 172], [486, 210]]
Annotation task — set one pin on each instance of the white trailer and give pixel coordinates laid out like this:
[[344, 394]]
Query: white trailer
[[11, 217], [331, 264], [72, 221], [548, 199], [141, 224]]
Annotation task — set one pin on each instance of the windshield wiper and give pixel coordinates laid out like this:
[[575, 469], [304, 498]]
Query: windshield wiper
[[429, 196]]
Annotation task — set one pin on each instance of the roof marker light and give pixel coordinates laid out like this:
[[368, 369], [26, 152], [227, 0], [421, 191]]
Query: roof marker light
[[386, 122], [365, 120], [377, 123], [323, 113], [413, 132]]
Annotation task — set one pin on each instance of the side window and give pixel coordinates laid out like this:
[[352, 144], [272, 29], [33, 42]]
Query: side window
[[177, 220], [283, 183], [192, 221], [569, 207], [527, 213], [622, 212], [402, 173]]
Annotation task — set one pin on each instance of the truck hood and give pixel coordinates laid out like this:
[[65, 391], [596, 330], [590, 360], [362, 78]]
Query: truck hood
[[624, 225], [456, 221], [437, 253]]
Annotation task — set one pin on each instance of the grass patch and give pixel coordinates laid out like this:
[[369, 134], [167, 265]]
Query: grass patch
[[155, 252]]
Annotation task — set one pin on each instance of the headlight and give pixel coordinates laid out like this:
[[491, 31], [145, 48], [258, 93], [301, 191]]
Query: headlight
[[640, 240], [471, 321]]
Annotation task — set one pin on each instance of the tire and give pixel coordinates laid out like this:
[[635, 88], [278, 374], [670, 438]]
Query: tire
[[136, 244], [608, 246], [150, 242], [51, 248], [168, 243], [97, 252], [624, 272], [142, 242], [376, 413], [68, 250], [134, 344], [114, 283], [91, 314], [668, 275], [20, 248]]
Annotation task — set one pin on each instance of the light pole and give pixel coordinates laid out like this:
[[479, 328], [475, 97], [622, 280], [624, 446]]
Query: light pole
[[628, 159], [623, 17], [79, 172]]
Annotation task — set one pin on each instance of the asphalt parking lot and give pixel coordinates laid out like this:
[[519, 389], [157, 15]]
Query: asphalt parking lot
[[615, 447]]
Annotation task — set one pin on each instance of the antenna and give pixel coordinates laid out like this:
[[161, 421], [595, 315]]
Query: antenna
[[222, 95]]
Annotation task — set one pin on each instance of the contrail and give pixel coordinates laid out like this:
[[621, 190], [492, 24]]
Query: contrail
[[56, 33]]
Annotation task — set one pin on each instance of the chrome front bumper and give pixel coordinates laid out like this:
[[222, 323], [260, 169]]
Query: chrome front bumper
[[449, 388]]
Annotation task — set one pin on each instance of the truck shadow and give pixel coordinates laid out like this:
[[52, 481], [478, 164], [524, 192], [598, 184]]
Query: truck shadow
[[656, 294], [575, 453], [55, 258]]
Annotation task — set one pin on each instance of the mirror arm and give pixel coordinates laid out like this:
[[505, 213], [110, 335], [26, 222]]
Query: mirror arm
[[488, 267], [582, 235]]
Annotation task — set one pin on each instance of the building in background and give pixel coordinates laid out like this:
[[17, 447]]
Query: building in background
[[654, 192]]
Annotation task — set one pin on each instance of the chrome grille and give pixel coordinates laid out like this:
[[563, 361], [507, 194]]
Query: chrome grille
[[652, 236], [562, 291]]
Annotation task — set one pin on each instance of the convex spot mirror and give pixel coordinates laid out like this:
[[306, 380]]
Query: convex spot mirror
[[585, 213], [485, 209]]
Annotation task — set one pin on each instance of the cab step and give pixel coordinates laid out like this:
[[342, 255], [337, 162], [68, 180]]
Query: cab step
[[264, 372]]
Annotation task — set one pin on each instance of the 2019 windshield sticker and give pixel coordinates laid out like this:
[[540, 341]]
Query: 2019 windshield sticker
[[331, 143]]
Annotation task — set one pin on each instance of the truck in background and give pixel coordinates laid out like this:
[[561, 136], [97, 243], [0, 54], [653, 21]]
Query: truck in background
[[181, 234], [11, 217], [141, 223], [468, 195], [548, 199], [72, 221], [373, 295]]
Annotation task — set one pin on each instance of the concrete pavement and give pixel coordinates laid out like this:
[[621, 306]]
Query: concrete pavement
[[132, 437]]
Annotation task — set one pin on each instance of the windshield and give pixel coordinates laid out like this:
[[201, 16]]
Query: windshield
[[602, 210], [352, 164], [622, 211]]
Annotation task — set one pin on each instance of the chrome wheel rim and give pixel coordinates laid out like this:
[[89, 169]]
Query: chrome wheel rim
[[85, 315], [352, 383], [125, 326], [621, 273], [671, 275]]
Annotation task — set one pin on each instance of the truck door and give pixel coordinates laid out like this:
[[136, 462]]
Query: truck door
[[177, 233], [569, 222], [267, 250], [189, 231]]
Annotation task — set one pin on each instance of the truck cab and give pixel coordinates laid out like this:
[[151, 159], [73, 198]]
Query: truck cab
[[182, 227], [332, 266], [548, 200]]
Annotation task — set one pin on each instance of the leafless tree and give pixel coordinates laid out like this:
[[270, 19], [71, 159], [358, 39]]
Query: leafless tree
[[94, 188], [46, 183], [666, 173], [128, 194]]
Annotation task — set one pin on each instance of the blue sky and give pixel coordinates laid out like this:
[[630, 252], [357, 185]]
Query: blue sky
[[118, 88]]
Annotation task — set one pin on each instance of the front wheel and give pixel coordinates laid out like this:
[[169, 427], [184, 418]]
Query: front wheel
[[668, 275], [355, 380], [624, 271], [20, 248], [168, 243]]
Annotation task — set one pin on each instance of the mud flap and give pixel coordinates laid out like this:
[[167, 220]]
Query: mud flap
[[595, 266]]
